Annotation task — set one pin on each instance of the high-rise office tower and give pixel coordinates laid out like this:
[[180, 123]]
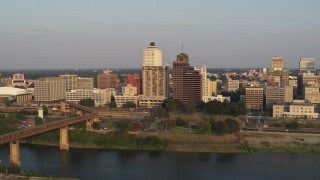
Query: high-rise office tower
[[155, 76], [254, 98], [204, 82], [307, 65], [49, 89], [84, 83], [186, 80], [70, 81], [152, 56], [107, 80], [277, 76], [278, 95], [277, 62]]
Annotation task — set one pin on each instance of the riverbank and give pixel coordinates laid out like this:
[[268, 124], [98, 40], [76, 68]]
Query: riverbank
[[282, 142], [20, 177], [242, 142]]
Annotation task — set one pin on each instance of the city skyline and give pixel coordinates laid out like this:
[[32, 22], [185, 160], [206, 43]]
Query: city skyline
[[100, 34]]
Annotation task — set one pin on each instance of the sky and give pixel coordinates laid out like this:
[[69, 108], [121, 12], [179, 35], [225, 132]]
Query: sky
[[40, 34]]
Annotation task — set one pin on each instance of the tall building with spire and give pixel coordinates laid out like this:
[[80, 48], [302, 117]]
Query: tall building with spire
[[155, 77], [186, 80]]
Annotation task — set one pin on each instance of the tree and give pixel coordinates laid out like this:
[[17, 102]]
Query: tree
[[200, 106], [295, 125], [222, 127], [113, 99], [113, 104], [204, 127], [123, 125], [189, 107], [87, 102], [159, 112], [178, 105], [45, 110], [38, 121], [96, 125], [172, 105], [7, 102], [129, 104], [234, 126], [80, 125], [181, 123], [214, 107], [223, 78], [169, 105], [241, 107]]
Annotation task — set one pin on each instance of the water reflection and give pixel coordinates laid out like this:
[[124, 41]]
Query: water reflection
[[204, 156], [155, 154], [226, 157], [65, 161], [126, 164]]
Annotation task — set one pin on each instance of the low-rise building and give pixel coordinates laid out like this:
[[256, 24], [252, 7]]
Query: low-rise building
[[312, 94], [219, 98], [121, 100], [149, 102], [100, 96], [295, 110], [232, 85], [84, 83], [129, 90], [16, 94]]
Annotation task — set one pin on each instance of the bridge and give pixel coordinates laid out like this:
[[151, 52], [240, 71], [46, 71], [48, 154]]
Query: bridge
[[85, 114], [18, 109]]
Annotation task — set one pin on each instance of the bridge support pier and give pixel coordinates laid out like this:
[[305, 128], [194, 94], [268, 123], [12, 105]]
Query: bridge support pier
[[63, 107], [79, 112], [96, 119], [15, 153], [64, 139], [89, 124]]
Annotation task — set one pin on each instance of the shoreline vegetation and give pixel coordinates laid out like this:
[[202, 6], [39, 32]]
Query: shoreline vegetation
[[243, 142], [11, 172]]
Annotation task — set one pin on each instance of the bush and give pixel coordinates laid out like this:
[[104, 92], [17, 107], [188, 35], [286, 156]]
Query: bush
[[234, 126], [204, 127], [96, 125], [38, 121], [222, 127], [87, 102]]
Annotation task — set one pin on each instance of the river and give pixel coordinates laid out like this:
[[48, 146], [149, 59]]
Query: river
[[88, 164]]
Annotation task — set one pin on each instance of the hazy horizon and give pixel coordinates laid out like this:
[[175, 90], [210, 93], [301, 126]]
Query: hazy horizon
[[40, 34]]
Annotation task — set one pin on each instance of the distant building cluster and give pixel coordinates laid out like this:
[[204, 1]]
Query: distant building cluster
[[275, 89]]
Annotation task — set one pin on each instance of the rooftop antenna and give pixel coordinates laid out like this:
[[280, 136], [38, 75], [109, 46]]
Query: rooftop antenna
[[182, 47]]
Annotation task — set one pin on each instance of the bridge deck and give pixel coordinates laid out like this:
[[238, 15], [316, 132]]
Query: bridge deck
[[13, 136]]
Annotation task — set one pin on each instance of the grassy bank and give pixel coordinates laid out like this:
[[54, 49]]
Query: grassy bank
[[11, 172], [244, 142], [112, 140], [282, 142]]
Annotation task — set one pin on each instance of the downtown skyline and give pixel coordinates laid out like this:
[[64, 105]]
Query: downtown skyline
[[99, 34]]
